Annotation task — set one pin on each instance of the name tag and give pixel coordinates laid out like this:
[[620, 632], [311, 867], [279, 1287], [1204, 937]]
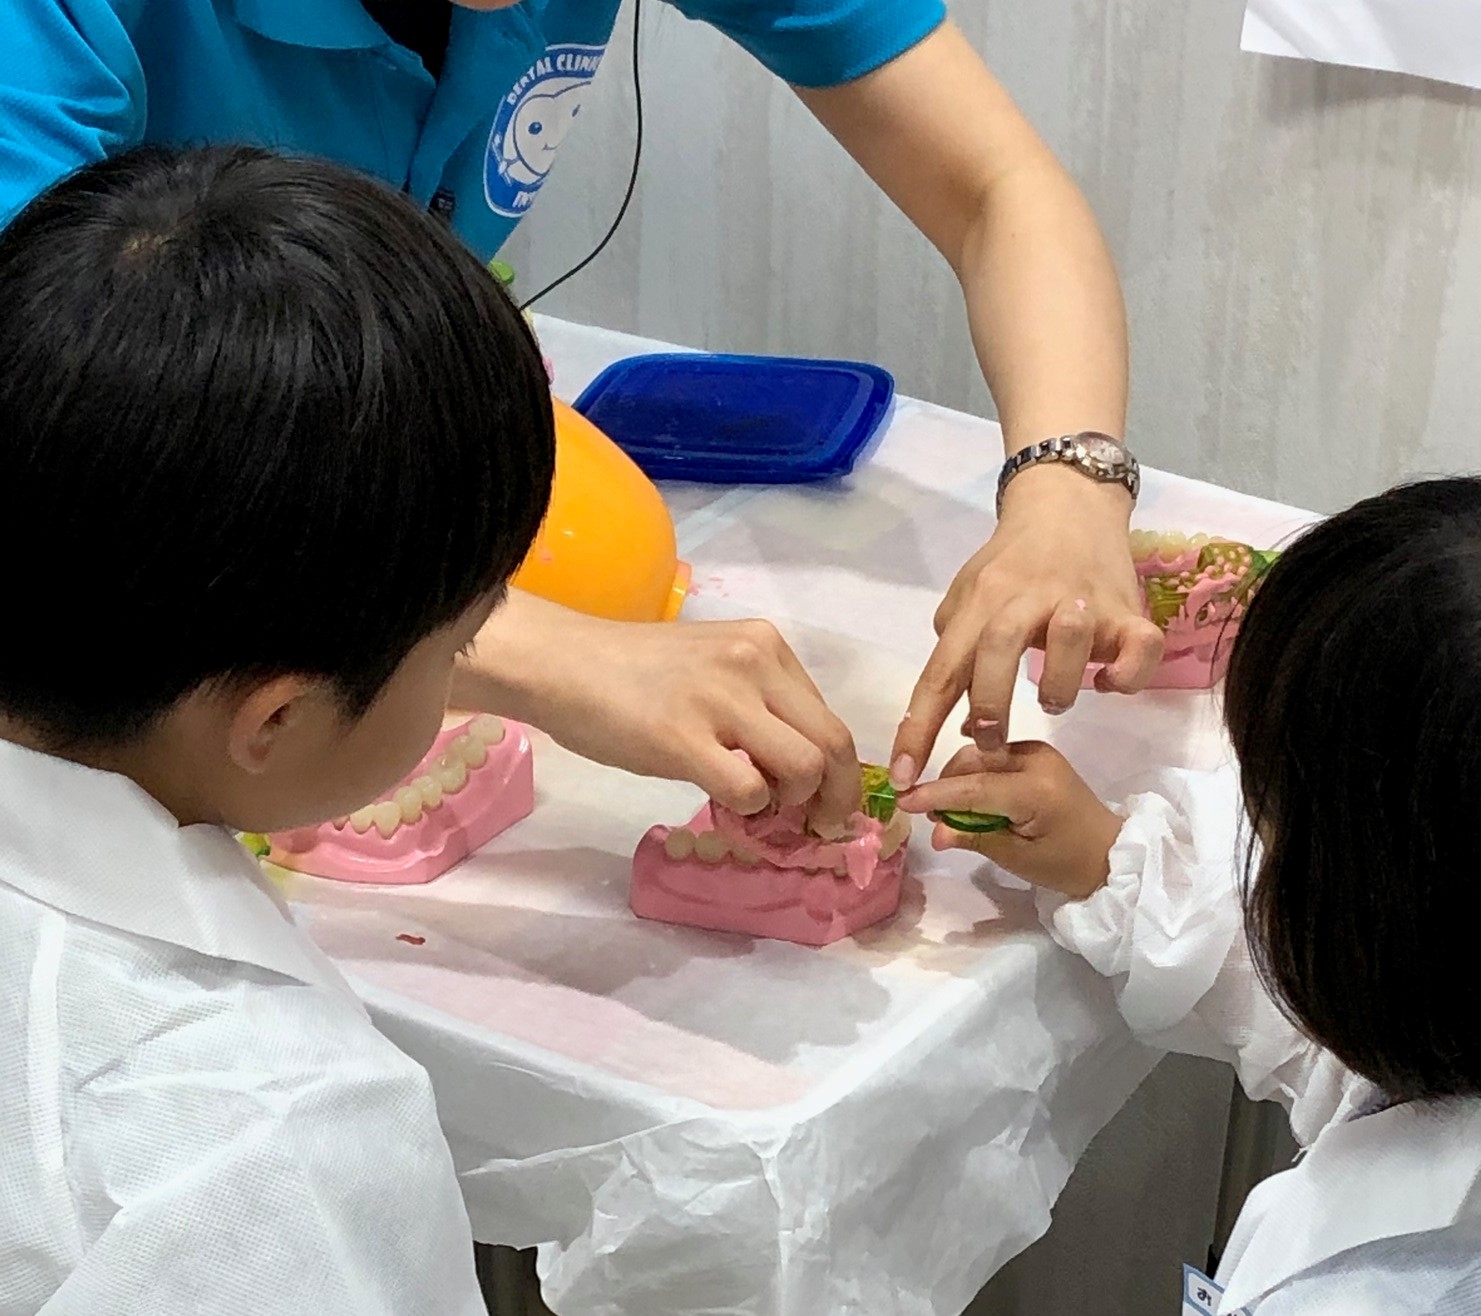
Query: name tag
[[1201, 1295]]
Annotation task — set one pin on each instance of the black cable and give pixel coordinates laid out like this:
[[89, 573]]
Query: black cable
[[632, 180]]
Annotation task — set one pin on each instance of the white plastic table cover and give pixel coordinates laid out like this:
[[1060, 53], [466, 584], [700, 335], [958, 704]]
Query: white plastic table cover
[[691, 1124]]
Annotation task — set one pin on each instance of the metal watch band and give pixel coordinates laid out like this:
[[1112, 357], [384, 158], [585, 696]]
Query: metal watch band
[[1096, 456]]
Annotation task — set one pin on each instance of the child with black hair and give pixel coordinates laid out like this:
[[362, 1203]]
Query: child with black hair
[[1335, 967], [280, 432]]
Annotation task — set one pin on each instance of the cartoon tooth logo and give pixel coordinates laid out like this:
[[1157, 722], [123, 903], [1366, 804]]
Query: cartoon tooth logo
[[540, 126], [533, 119]]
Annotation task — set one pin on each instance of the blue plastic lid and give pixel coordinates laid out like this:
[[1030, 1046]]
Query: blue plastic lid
[[739, 419]]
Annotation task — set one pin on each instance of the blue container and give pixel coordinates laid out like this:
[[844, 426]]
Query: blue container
[[739, 419]]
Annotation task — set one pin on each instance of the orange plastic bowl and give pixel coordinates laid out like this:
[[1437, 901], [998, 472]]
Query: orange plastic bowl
[[607, 546]]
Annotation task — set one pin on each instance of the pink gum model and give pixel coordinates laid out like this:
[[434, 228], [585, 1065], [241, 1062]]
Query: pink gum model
[[475, 781], [1196, 591], [765, 877]]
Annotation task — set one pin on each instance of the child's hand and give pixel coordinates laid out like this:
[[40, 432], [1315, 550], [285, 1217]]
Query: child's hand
[[1061, 835]]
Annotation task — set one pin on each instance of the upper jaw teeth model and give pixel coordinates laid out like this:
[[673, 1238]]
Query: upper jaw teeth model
[[475, 781], [1195, 588], [772, 839]]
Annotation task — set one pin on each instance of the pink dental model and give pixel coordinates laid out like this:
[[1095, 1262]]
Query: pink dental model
[[768, 877], [1196, 590], [475, 781]]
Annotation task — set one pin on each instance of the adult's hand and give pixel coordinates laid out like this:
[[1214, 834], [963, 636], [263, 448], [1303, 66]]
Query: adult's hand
[[670, 700], [942, 137], [1057, 574]]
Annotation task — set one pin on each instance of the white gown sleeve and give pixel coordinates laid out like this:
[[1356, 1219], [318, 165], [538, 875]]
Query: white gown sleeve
[[1167, 929], [312, 1179]]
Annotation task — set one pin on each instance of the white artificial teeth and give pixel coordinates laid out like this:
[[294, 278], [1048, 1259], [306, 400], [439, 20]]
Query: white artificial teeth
[[840, 869], [679, 844], [409, 800], [362, 820], [452, 773], [430, 789], [471, 750], [896, 833], [711, 847], [744, 857], [488, 728], [387, 817], [1143, 544]]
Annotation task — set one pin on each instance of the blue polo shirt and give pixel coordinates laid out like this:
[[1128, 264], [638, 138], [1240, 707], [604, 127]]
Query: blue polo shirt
[[81, 79]]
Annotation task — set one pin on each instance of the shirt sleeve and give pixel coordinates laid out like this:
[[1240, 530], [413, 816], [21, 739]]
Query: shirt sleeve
[[281, 1187], [71, 92], [1168, 929], [820, 43]]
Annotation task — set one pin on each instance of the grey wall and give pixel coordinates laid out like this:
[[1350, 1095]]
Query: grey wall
[[1299, 244]]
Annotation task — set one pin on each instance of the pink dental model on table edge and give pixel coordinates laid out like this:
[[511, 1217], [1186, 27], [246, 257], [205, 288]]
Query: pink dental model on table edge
[[1196, 591], [477, 780], [768, 876]]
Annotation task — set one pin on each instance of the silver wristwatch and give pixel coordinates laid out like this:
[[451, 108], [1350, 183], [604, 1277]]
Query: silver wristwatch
[[1098, 456]]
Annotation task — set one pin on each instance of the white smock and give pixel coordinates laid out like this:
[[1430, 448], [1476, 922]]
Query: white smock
[[196, 1115], [1382, 1212]]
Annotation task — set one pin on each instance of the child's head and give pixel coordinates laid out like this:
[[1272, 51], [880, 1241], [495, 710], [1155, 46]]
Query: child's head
[[273, 442], [1354, 704]]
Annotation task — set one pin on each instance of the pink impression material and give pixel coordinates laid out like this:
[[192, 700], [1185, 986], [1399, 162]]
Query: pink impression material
[[1197, 607], [475, 781], [765, 876]]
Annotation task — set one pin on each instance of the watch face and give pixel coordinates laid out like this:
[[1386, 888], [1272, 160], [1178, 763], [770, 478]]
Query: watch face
[[1106, 451]]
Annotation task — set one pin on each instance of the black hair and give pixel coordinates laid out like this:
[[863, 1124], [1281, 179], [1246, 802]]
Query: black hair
[[1354, 703], [258, 416]]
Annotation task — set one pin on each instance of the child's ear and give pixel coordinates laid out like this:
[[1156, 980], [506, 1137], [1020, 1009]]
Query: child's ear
[[264, 716]]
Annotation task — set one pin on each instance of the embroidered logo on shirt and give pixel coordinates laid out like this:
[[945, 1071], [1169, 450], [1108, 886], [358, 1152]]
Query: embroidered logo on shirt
[[532, 121]]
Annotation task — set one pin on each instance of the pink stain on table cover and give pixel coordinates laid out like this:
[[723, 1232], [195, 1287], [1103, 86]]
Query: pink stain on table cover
[[766, 876], [477, 780]]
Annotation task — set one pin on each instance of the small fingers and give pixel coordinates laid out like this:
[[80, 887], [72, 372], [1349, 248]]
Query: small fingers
[[1004, 848], [970, 759], [1009, 794]]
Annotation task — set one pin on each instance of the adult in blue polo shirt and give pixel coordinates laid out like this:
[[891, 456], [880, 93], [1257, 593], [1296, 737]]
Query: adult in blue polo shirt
[[465, 106]]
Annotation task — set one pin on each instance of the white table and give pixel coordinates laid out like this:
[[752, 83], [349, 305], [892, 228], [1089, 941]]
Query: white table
[[692, 1124]]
